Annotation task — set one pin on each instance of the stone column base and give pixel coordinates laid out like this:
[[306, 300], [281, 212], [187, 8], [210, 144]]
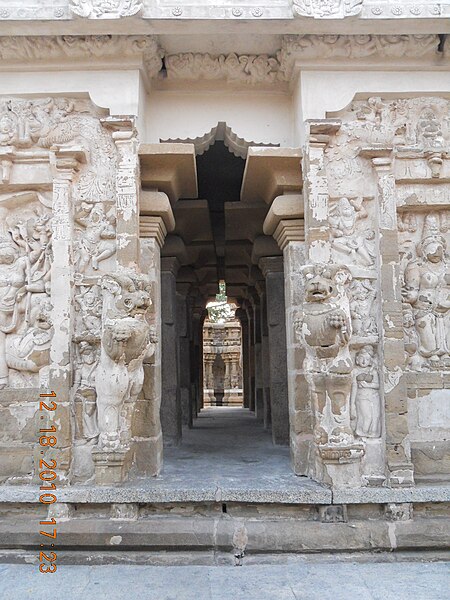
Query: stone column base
[[111, 466]]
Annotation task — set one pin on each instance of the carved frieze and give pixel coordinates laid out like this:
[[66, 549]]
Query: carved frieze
[[250, 69], [105, 9], [69, 47], [364, 48], [323, 9], [25, 310]]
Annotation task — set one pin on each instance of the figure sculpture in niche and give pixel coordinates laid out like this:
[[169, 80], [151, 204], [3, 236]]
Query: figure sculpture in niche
[[325, 330], [125, 343], [427, 290], [365, 402], [31, 350], [89, 316], [13, 276], [97, 242], [362, 297], [347, 242], [85, 391]]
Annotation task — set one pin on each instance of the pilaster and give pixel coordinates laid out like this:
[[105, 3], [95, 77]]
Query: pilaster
[[391, 345], [66, 163]]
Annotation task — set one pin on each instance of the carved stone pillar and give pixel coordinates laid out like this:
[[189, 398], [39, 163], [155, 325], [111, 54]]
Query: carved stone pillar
[[66, 163], [171, 401], [259, 391], [156, 220], [127, 339], [251, 356], [272, 269], [391, 345], [285, 223], [242, 315], [265, 359], [184, 355]]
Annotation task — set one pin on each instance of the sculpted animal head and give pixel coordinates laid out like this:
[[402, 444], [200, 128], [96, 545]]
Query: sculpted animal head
[[321, 281], [131, 292]]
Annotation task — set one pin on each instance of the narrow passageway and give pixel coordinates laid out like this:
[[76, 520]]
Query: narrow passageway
[[229, 443]]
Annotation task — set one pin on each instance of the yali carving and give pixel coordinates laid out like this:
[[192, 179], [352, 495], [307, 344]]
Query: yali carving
[[325, 330]]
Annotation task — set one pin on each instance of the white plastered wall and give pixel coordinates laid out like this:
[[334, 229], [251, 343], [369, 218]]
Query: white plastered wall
[[257, 116]]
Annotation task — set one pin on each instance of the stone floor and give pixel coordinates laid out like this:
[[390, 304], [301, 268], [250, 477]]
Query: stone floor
[[334, 578], [228, 449]]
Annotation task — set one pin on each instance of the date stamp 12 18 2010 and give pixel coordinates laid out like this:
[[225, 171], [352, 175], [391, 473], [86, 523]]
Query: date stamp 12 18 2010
[[47, 475]]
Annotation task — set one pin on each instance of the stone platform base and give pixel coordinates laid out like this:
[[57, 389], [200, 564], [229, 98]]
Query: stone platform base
[[315, 520]]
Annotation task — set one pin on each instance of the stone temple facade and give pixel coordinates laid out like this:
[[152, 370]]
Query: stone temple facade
[[298, 150], [222, 353]]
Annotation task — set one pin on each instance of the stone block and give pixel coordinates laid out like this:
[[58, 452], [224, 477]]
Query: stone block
[[431, 459], [149, 456], [145, 421]]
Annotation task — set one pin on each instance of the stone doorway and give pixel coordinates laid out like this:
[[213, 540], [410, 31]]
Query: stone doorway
[[219, 238]]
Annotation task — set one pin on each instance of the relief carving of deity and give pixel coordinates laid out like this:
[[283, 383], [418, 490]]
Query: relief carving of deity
[[366, 405], [427, 291], [349, 245], [25, 326], [85, 391], [362, 297], [97, 240]]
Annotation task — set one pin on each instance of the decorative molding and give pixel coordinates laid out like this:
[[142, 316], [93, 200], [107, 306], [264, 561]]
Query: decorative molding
[[105, 9], [360, 47], [326, 9], [62, 47], [223, 10], [245, 69], [250, 69]]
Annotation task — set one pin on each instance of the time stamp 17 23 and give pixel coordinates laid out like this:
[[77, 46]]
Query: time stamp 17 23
[[47, 475]]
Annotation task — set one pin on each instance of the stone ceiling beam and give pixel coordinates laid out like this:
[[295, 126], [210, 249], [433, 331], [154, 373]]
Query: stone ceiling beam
[[270, 172], [169, 168]]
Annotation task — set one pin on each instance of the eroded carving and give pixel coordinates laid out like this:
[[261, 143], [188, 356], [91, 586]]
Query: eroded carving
[[69, 47], [427, 290], [325, 330], [124, 344], [362, 295], [97, 238], [25, 261], [251, 69], [349, 244]]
